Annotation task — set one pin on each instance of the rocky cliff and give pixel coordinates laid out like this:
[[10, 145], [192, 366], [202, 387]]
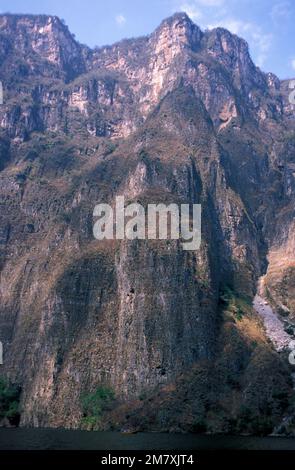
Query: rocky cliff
[[179, 116]]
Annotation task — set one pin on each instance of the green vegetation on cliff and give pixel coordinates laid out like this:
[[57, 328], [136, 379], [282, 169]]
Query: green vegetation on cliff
[[94, 404], [9, 402]]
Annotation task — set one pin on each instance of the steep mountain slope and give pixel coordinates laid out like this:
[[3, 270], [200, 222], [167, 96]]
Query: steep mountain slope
[[179, 116]]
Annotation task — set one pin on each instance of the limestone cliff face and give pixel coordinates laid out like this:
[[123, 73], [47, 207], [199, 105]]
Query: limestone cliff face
[[114, 88], [47, 42], [179, 116]]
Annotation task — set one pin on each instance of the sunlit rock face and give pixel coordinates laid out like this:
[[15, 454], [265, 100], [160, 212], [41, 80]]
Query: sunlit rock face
[[115, 88], [179, 116]]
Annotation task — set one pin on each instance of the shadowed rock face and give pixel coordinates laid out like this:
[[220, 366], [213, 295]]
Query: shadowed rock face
[[179, 116]]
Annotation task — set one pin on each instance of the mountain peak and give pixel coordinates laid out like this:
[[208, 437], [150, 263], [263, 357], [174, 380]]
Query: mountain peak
[[43, 38], [28, 20], [179, 29], [178, 16]]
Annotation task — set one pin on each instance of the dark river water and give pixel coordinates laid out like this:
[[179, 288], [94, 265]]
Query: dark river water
[[52, 439]]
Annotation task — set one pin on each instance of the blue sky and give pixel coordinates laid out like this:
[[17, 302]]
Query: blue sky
[[267, 25]]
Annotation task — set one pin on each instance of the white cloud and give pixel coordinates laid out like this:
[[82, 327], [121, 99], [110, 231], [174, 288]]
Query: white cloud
[[257, 39], [280, 11], [263, 43], [233, 25], [216, 13], [194, 7], [210, 3], [120, 19], [293, 64], [192, 11]]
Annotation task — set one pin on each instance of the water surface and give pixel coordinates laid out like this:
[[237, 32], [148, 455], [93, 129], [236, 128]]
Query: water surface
[[60, 439]]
